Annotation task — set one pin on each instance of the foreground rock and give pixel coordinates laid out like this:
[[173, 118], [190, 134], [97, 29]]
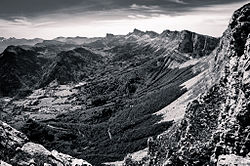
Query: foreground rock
[[16, 150], [232, 160], [2, 163]]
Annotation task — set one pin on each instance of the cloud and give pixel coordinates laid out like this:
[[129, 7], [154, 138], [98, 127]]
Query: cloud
[[49, 19], [139, 7], [138, 16], [38, 8], [143, 11], [20, 21], [42, 24], [178, 1]]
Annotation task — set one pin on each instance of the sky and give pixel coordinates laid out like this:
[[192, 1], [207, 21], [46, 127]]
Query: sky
[[48, 19]]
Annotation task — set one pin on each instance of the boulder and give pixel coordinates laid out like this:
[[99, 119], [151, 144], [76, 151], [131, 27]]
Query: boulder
[[20, 152], [32, 153], [232, 160], [2, 163], [10, 137]]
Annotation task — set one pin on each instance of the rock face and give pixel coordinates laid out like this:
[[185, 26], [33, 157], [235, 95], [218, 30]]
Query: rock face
[[37, 154], [16, 150], [216, 126], [199, 45], [15, 138]]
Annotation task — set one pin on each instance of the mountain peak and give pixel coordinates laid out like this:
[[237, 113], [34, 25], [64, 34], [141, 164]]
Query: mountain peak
[[152, 33], [138, 32], [110, 35], [168, 33]]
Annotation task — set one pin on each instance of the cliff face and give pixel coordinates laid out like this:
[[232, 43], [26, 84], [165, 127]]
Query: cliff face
[[199, 45], [216, 125]]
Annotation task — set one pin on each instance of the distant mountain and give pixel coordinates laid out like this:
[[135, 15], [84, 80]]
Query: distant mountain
[[4, 43], [181, 46], [185, 41], [71, 66], [75, 40]]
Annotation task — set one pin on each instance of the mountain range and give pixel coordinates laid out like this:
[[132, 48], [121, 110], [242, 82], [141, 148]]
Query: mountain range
[[175, 98]]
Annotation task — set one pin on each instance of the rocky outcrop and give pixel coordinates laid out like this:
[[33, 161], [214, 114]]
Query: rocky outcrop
[[216, 126], [2, 163], [37, 154], [191, 43], [232, 160], [10, 139], [198, 45], [16, 150]]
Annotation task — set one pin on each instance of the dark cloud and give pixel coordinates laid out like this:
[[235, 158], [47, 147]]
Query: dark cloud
[[10, 9]]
